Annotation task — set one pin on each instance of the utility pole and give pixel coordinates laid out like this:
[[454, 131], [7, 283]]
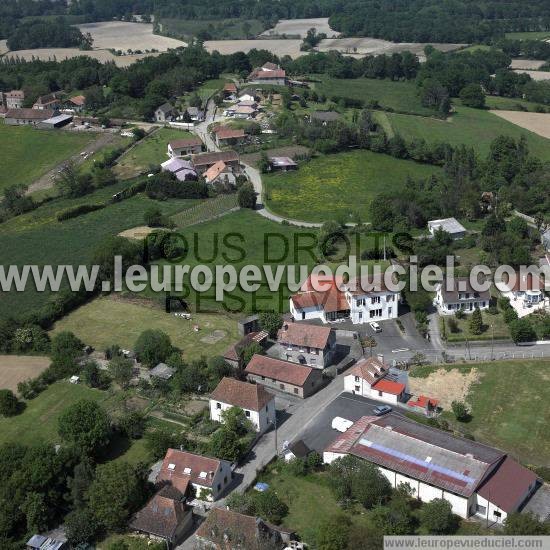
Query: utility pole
[[276, 444], [492, 340]]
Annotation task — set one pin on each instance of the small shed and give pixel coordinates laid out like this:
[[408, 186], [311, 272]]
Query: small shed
[[283, 164], [450, 225], [162, 371], [249, 324], [297, 449]]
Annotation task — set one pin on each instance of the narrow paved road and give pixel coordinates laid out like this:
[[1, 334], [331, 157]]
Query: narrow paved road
[[253, 174]]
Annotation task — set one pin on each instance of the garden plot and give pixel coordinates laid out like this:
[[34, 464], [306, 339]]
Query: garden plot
[[299, 27]]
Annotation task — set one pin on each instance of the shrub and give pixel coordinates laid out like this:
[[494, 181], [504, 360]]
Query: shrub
[[460, 411], [9, 405], [78, 211], [453, 325], [521, 330]]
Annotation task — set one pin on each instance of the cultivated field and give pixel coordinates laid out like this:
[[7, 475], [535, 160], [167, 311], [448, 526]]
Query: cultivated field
[[17, 368], [473, 127], [299, 27], [217, 29], [59, 54], [120, 35], [149, 152], [38, 238], [497, 396], [538, 123], [339, 184], [527, 64], [28, 153], [278, 47], [535, 75], [113, 320], [399, 96], [376, 46]]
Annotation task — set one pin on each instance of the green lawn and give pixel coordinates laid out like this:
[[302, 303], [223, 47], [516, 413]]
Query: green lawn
[[400, 96], [510, 104], [510, 407], [27, 153], [38, 422], [38, 238], [258, 242], [149, 152], [106, 321], [473, 127], [494, 326], [338, 184], [310, 502]]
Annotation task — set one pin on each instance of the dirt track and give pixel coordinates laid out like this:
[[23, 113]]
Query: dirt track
[[47, 180]]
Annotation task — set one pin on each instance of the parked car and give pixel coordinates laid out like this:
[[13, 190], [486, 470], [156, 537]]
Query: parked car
[[381, 410], [375, 326]]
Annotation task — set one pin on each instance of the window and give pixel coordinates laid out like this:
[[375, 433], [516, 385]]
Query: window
[[357, 388], [282, 386], [357, 378], [296, 391], [219, 487], [218, 405], [481, 510], [225, 479], [360, 315], [375, 313], [380, 394], [375, 300], [389, 310], [247, 414], [390, 298], [263, 377]]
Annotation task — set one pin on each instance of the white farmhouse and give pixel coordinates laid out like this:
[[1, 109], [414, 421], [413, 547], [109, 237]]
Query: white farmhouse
[[369, 378], [360, 300], [184, 470], [450, 296], [256, 402], [475, 479]]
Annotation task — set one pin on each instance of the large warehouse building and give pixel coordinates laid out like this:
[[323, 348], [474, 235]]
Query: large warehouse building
[[474, 478]]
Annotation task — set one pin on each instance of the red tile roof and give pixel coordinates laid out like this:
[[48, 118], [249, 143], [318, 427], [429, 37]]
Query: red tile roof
[[224, 527], [282, 371], [207, 159], [302, 334], [241, 394], [174, 466], [224, 132], [230, 87], [260, 73], [330, 301], [320, 282], [508, 486], [162, 515], [370, 369], [187, 142], [78, 100], [389, 386], [30, 114], [422, 402], [523, 282], [214, 171]]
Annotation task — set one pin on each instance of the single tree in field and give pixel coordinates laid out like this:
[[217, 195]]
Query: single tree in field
[[460, 410], [121, 370]]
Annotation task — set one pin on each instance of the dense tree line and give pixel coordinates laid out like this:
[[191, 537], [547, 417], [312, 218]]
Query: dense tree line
[[460, 21], [40, 33]]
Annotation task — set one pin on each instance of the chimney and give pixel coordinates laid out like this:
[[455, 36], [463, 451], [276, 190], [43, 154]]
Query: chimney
[[380, 357]]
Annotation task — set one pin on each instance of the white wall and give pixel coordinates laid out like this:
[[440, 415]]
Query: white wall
[[310, 313], [360, 314], [261, 419], [491, 509]]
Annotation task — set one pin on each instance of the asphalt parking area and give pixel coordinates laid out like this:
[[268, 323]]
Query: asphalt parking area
[[318, 434]]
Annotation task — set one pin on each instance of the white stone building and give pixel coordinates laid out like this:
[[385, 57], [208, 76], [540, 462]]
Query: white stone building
[[256, 402], [459, 295], [370, 377]]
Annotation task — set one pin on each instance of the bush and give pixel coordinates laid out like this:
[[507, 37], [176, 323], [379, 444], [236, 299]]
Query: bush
[[460, 411], [9, 405], [78, 211], [453, 325], [521, 330]]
